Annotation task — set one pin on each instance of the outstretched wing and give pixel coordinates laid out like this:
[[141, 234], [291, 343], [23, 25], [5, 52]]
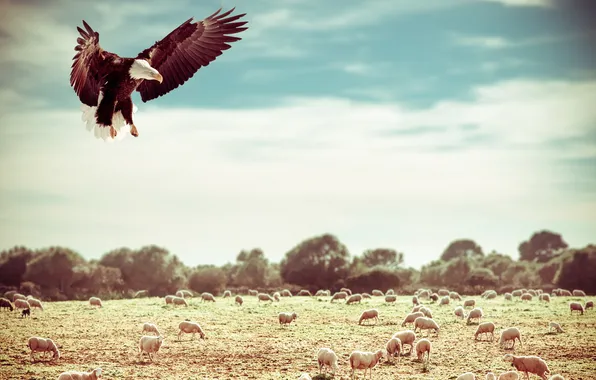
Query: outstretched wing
[[186, 49], [85, 76]]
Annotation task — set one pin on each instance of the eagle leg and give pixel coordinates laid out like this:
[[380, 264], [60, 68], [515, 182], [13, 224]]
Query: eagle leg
[[126, 108], [133, 130], [113, 132]]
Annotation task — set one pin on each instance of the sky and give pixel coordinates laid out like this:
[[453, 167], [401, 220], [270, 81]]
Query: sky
[[388, 123]]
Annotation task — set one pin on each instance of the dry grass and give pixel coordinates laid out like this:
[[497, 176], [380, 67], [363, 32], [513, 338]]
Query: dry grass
[[247, 342]]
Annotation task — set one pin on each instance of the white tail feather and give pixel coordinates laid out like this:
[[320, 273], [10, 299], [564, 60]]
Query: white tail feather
[[118, 122]]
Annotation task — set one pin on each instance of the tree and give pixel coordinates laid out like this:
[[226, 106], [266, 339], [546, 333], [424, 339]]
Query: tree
[[496, 262], [53, 268], [542, 246], [482, 277], [377, 278], [13, 265], [252, 268], [207, 278], [455, 271], [461, 248], [318, 262], [382, 257], [577, 270], [431, 273]]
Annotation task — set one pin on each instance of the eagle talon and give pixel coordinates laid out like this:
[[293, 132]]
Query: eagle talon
[[113, 132], [133, 131]]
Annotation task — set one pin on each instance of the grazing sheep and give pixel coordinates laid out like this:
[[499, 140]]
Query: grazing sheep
[[305, 376], [485, 328], [470, 303], [528, 364], [366, 295], [150, 345], [426, 311], [555, 326], [276, 296], [459, 312], [424, 323], [424, 294], [94, 301], [9, 294], [252, 292], [186, 293], [407, 338], [339, 296], [410, 318], [348, 291], [444, 301], [490, 376], [416, 308], [423, 347], [544, 297], [491, 296], [508, 296], [5, 304], [264, 297], [327, 358], [394, 348], [354, 298], [169, 299], [526, 297], [21, 304], [151, 328], [179, 301], [589, 305], [475, 313], [556, 377], [35, 303], [320, 293], [509, 375], [564, 293], [578, 293], [239, 301], [369, 314], [207, 297], [227, 294], [305, 293], [466, 376], [455, 296], [287, 318], [443, 292], [390, 298], [364, 360], [390, 292], [516, 293], [190, 327], [415, 300], [75, 375], [510, 334], [18, 296], [434, 297], [572, 306], [377, 293], [286, 293], [39, 344], [26, 313], [141, 293]]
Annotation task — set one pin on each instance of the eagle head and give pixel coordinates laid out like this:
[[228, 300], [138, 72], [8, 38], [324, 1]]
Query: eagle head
[[140, 69]]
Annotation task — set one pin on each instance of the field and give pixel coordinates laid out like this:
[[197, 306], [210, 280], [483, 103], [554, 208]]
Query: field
[[248, 343]]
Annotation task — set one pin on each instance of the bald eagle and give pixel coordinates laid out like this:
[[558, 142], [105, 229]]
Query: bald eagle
[[104, 81]]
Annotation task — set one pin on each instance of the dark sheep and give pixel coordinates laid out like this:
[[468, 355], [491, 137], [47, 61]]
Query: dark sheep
[[5, 304]]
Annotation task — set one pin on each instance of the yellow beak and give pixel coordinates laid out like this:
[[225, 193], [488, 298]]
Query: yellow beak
[[158, 77]]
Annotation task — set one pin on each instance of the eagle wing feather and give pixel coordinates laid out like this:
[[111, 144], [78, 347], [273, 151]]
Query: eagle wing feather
[[85, 76]]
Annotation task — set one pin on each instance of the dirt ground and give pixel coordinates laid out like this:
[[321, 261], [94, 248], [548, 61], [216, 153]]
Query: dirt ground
[[248, 343]]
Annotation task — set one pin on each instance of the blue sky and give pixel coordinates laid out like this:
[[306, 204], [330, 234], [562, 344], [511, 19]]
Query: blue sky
[[390, 123]]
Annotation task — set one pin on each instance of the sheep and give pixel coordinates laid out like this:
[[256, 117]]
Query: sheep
[[75, 375], [544, 297], [572, 306], [35, 303], [305, 293], [526, 297], [150, 327], [238, 301], [354, 298], [564, 293], [9, 294], [377, 293], [407, 338], [276, 296], [21, 304], [190, 327], [305, 376], [459, 312], [366, 295], [179, 301], [508, 296], [348, 291], [252, 292], [589, 305], [410, 318], [423, 347], [444, 301], [327, 358], [364, 360], [227, 294], [5, 304], [470, 303], [141, 293], [320, 293], [490, 376], [18, 296], [286, 318], [185, 293], [533, 293], [443, 292], [578, 293], [455, 296], [516, 293], [94, 301], [510, 334], [424, 323], [394, 348], [264, 297], [339, 296], [150, 345], [286, 293], [556, 377], [415, 300], [475, 313], [555, 326], [435, 297], [416, 308], [390, 298], [426, 311], [485, 328], [424, 294], [169, 299], [45, 345], [528, 364], [509, 375], [491, 296], [26, 313], [390, 292], [466, 376], [207, 297], [369, 314]]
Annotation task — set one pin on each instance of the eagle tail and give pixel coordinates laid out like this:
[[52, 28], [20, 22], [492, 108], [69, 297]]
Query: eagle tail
[[118, 122]]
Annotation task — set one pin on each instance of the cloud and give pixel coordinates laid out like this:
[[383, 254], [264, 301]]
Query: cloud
[[524, 3]]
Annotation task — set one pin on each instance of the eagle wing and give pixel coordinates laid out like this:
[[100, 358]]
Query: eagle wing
[[186, 49], [85, 76]]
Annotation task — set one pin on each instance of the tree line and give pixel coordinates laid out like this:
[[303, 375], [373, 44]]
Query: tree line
[[320, 262]]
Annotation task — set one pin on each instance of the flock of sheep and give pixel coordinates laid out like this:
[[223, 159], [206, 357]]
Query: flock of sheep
[[420, 318]]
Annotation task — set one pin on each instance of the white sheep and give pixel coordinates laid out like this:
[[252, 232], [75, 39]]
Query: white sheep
[[286, 293], [348, 291], [485, 328], [443, 292], [475, 313], [169, 298], [184, 293], [470, 303], [426, 311], [149, 344], [35, 303], [564, 293], [369, 314], [424, 323], [529, 364], [354, 298], [276, 296], [207, 297], [509, 375], [407, 338], [190, 327], [444, 301], [45, 345], [377, 293], [75, 375], [459, 312], [516, 293], [364, 360], [417, 308], [179, 301], [305, 376], [423, 347], [238, 301], [410, 318], [576, 306], [286, 318], [526, 297], [390, 292], [510, 334], [424, 294], [141, 293], [415, 300], [555, 326], [339, 296], [490, 376], [466, 376], [389, 298], [21, 304], [366, 295], [508, 296], [394, 348], [18, 296], [556, 377], [544, 297], [252, 292], [327, 358], [151, 328], [305, 293], [264, 297], [578, 293], [94, 301], [227, 294], [455, 296], [320, 293]]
